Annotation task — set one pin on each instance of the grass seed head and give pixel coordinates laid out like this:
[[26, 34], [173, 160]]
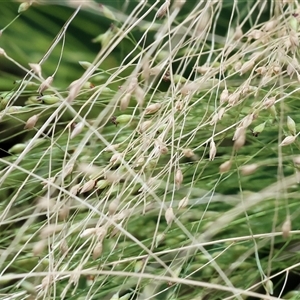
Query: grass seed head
[[97, 251], [225, 166], [247, 66], [39, 247], [212, 150], [286, 228], [183, 202], [125, 101], [248, 169], [45, 85], [240, 141], [291, 125], [74, 189], [188, 152], [116, 158], [113, 206], [88, 232], [224, 96], [169, 215], [288, 140], [163, 9], [77, 129], [63, 246], [238, 33], [30, 123], [37, 69], [152, 108], [178, 178], [269, 102], [89, 185]]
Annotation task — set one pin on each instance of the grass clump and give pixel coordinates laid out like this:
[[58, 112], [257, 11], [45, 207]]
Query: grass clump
[[152, 155]]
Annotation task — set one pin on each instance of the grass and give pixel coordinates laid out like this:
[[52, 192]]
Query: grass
[[149, 150]]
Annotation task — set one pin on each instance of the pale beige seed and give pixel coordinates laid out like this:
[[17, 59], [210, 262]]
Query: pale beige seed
[[286, 228], [133, 83], [64, 212], [101, 233], [45, 85], [178, 178], [39, 247], [247, 66], [125, 101], [67, 170], [37, 69], [152, 108], [188, 152], [97, 250], [74, 189], [163, 9], [248, 169], [212, 150], [31, 122], [240, 141], [261, 70], [113, 206], [203, 23], [269, 102], [183, 202], [203, 69], [46, 282], [288, 140], [233, 98], [221, 112], [270, 25], [238, 33], [225, 167], [145, 125], [247, 121], [88, 232], [77, 129], [237, 66], [256, 34], [238, 132], [224, 96], [89, 185], [169, 215], [116, 158], [50, 230], [179, 105], [139, 95]]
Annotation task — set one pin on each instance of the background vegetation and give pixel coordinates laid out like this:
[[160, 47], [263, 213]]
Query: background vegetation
[[149, 150]]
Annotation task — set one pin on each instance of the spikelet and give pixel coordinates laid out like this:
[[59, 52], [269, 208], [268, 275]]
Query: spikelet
[[30, 123], [169, 215], [225, 167], [212, 150], [178, 178]]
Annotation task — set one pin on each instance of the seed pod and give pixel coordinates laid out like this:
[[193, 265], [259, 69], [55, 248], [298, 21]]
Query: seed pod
[[39, 247], [74, 189], [169, 215], [63, 213], [2, 52], [102, 184], [270, 25], [233, 98], [17, 148], [247, 66], [291, 125], [247, 121], [123, 119], [111, 148], [183, 202], [188, 152], [31, 122], [36, 69], [97, 250], [256, 34], [221, 113], [238, 33], [159, 238], [212, 150], [152, 108], [178, 178], [45, 85], [89, 185], [248, 169], [145, 125], [269, 287], [24, 6], [269, 102], [286, 227], [49, 99], [225, 167], [116, 158], [288, 140], [77, 129], [261, 70], [125, 101], [101, 233], [238, 132], [139, 95], [85, 64], [224, 96], [88, 232], [163, 9], [240, 141]]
